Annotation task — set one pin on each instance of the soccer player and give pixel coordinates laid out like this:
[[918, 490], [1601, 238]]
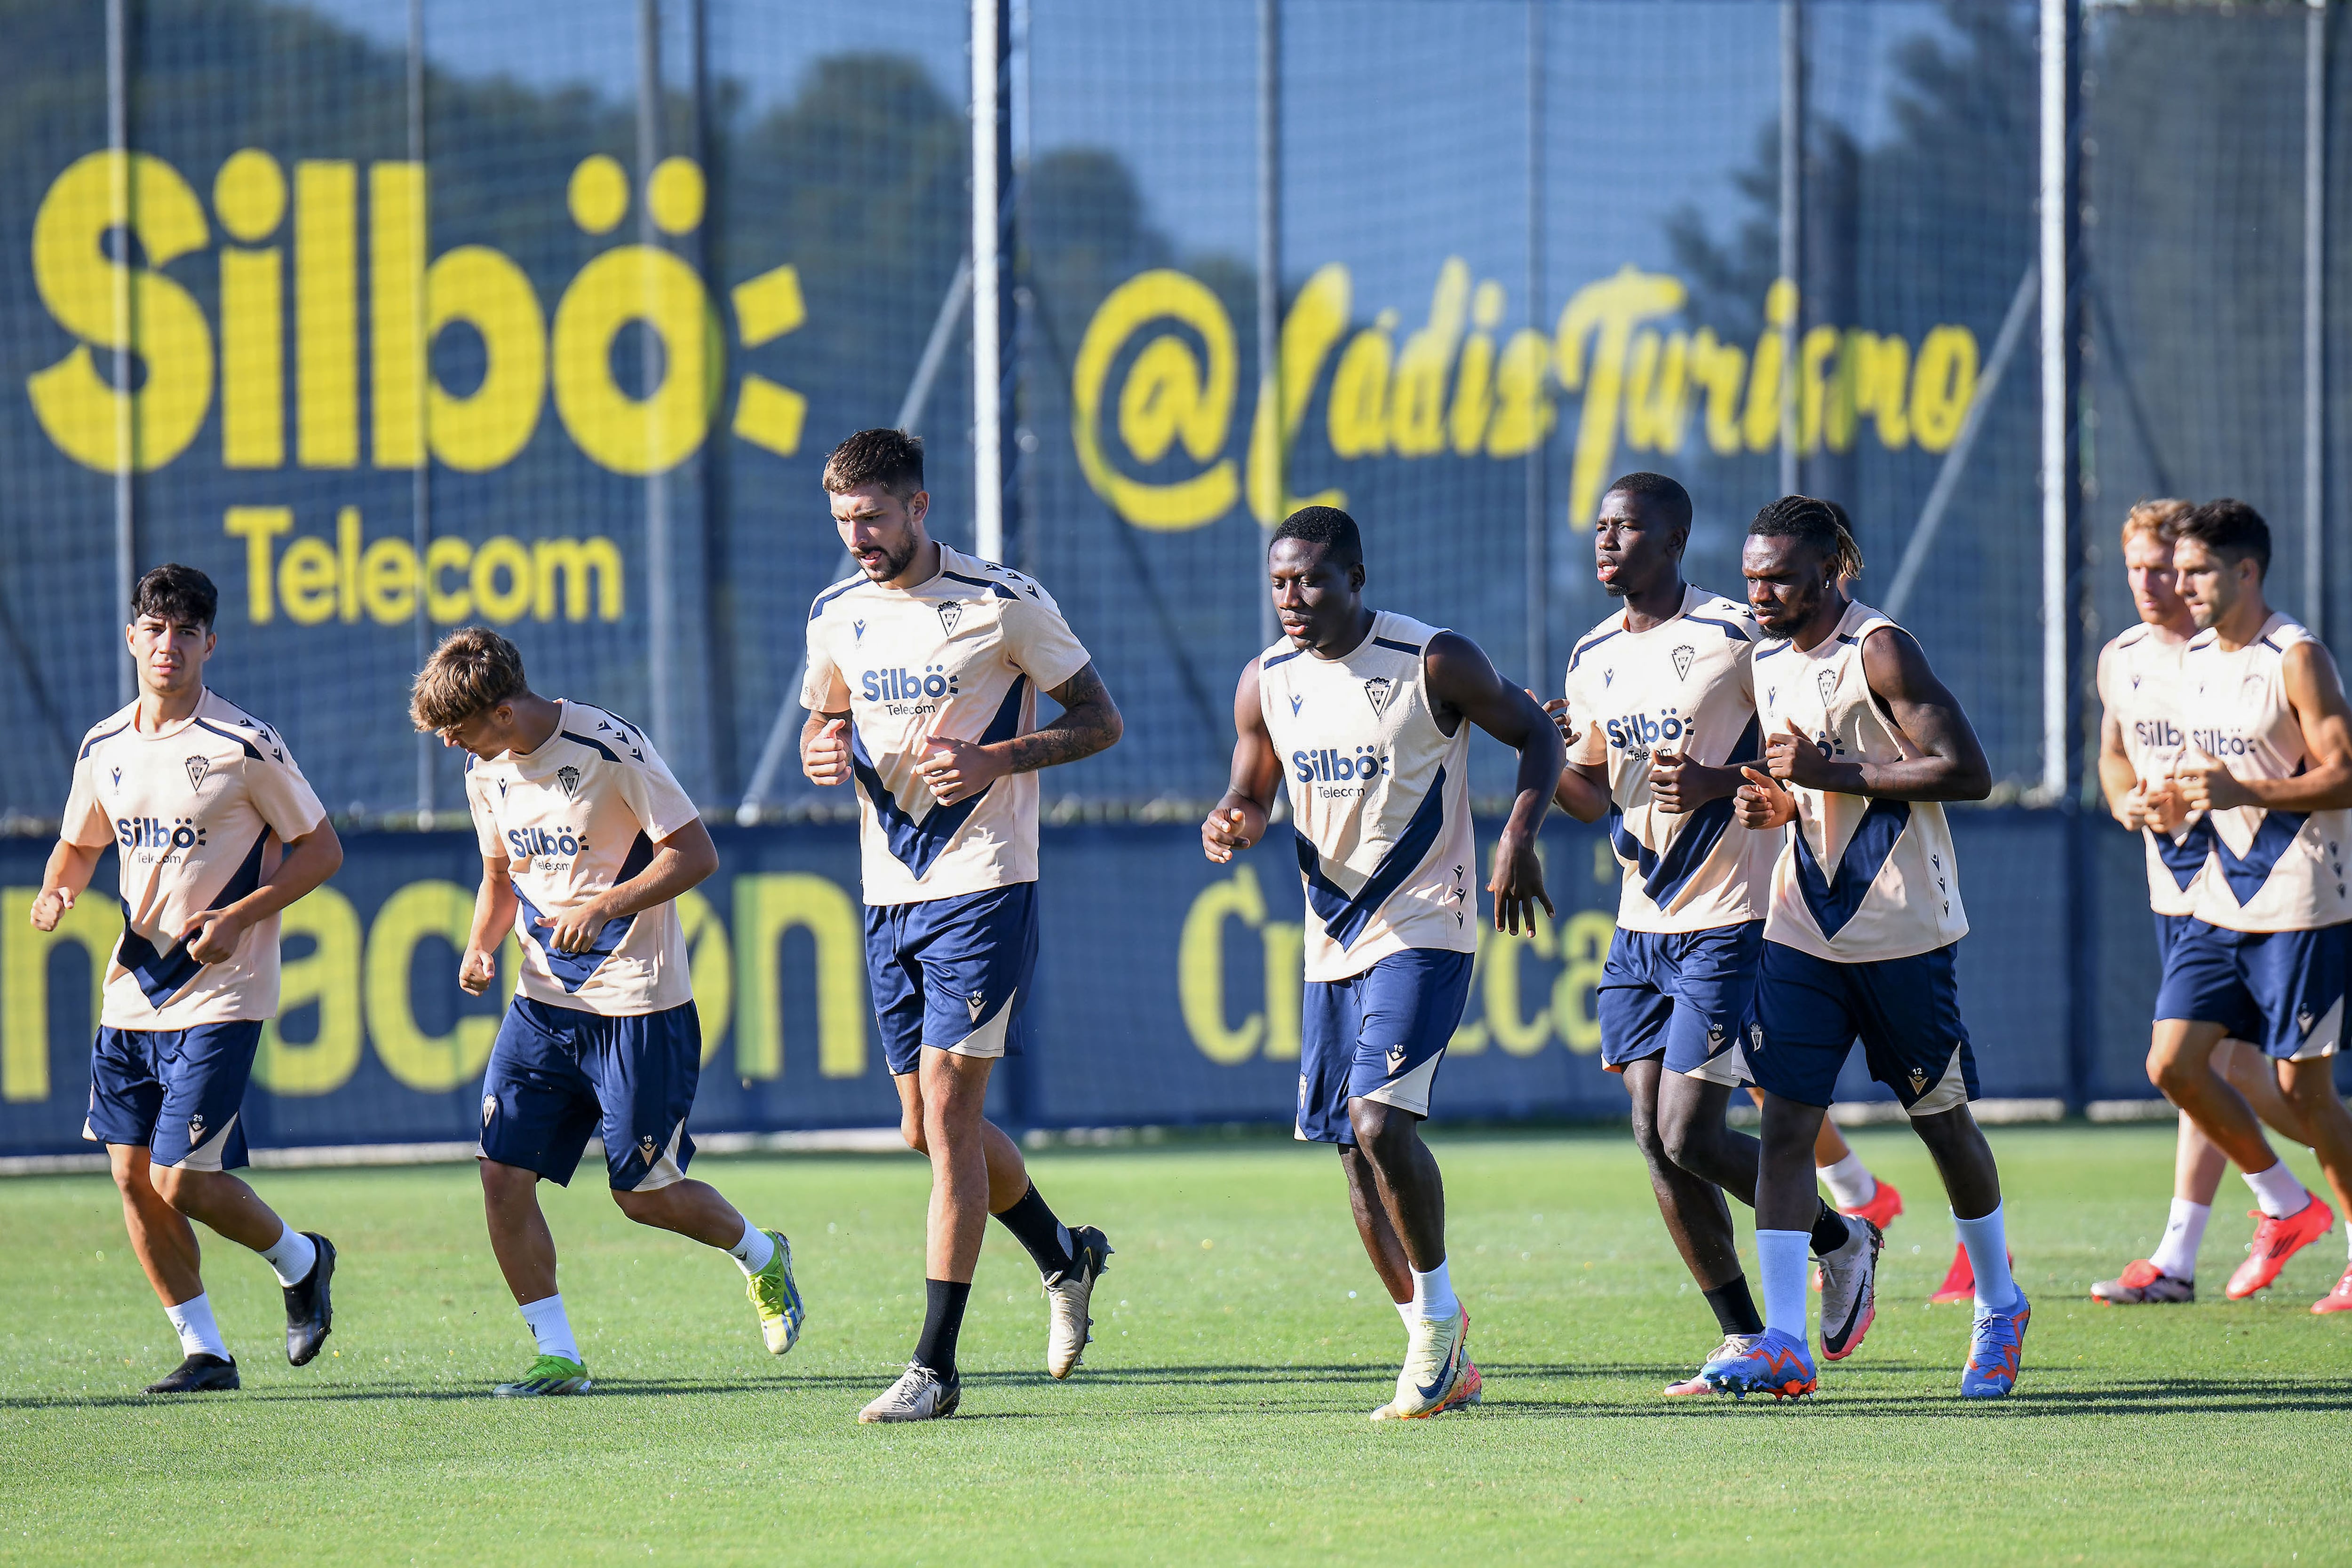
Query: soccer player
[[1862, 744], [586, 842], [2268, 761], [936, 718], [2140, 736], [214, 831], [1367, 715], [1665, 697]]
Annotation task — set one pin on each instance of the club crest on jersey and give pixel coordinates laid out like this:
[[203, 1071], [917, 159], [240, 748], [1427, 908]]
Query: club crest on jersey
[[198, 767], [567, 779], [489, 1108], [950, 613], [1756, 1037], [1827, 682], [1377, 691], [1683, 657], [975, 1004]]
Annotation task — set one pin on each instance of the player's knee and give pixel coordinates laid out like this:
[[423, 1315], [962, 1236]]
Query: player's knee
[[910, 1127], [183, 1190], [1682, 1140]]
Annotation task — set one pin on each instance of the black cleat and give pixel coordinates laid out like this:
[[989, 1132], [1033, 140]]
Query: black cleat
[[200, 1374], [309, 1314]]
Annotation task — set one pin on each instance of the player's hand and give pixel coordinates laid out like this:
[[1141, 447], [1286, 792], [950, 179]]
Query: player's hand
[[957, 770], [2132, 811], [2205, 784], [575, 930], [50, 908], [476, 971], [825, 755], [1231, 828], [2161, 807], [1678, 784], [1518, 885], [1791, 758], [211, 936], [1557, 709], [1762, 802]]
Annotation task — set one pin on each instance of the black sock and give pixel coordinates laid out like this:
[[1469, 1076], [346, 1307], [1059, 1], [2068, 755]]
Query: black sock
[[1831, 1230], [1735, 1309], [1047, 1238], [943, 1304]]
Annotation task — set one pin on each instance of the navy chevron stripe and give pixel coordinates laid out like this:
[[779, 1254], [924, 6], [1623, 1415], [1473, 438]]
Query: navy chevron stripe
[[91, 745], [998, 589], [1664, 876], [2183, 859], [572, 969], [1344, 918], [2246, 876], [251, 750], [1725, 627], [164, 974], [1835, 900], [918, 845]]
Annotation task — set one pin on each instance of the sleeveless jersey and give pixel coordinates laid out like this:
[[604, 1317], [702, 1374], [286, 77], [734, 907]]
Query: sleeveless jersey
[[1379, 799], [1859, 880], [1684, 685], [2140, 685], [2264, 871], [198, 813], [964, 655]]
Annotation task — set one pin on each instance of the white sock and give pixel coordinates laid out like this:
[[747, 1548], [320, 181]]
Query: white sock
[[1433, 1294], [751, 1254], [1404, 1311], [2184, 1232], [199, 1335], [551, 1328], [290, 1256], [1850, 1182], [1987, 1241], [2276, 1191], [1780, 1259]]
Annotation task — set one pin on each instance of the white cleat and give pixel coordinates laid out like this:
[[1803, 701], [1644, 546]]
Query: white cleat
[[1850, 1289], [1438, 1374], [1696, 1383], [1068, 1295], [919, 1395]]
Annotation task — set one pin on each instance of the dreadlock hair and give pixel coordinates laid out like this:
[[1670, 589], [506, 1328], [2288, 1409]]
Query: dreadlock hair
[[1326, 526], [1819, 523]]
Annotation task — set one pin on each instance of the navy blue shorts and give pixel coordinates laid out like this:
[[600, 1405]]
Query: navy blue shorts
[[1686, 993], [1377, 1036], [2245, 1022], [2283, 991], [1907, 1013], [559, 1075], [952, 973], [176, 1092]]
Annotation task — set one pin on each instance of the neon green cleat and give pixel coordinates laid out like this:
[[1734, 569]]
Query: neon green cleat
[[549, 1376], [777, 1298]]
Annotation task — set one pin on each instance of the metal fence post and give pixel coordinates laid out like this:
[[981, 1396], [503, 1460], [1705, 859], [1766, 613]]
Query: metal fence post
[[660, 678], [420, 483], [1538, 539], [1792, 220], [2315, 317], [1269, 285], [117, 141], [992, 300]]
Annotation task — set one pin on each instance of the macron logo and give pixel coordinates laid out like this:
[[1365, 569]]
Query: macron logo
[[1295, 704]]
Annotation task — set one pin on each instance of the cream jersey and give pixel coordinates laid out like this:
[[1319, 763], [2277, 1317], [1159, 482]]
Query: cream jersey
[[198, 813], [2139, 686], [2264, 870], [1858, 879], [575, 817], [962, 655], [1686, 685], [1379, 799]]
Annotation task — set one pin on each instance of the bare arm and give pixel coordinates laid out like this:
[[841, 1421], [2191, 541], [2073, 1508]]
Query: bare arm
[[1943, 760], [680, 861], [1583, 789], [2317, 694], [825, 747], [2117, 778], [494, 916], [63, 880], [1239, 818], [1090, 722], [213, 935], [1461, 680]]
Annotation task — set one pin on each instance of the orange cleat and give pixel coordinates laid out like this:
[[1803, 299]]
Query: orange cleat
[[1885, 1206], [2275, 1241], [2338, 1299], [1960, 1284]]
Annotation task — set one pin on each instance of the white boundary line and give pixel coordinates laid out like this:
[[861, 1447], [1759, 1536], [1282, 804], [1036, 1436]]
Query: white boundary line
[[829, 1141]]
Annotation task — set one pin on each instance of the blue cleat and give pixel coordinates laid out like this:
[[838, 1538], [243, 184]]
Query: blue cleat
[[1994, 1350], [1770, 1362]]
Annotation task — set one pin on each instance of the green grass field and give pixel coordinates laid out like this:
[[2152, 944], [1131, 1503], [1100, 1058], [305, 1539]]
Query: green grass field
[[1220, 1414]]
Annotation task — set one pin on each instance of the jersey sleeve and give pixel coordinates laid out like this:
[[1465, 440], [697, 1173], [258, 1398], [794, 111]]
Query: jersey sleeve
[[85, 824], [1038, 641], [2107, 666], [654, 794], [279, 792], [823, 689], [486, 827]]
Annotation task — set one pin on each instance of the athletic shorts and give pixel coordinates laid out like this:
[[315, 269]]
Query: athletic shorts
[[1907, 1013], [1686, 993], [1377, 1036], [176, 1092], [2281, 991], [559, 1075], [952, 973], [2245, 1022]]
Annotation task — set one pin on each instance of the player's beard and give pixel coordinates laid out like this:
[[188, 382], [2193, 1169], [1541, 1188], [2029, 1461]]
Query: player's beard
[[893, 563]]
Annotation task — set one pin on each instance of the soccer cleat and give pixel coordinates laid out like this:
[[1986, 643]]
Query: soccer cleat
[[1885, 1207], [1438, 1374], [2275, 1241], [1994, 1348], [919, 1395], [309, 1314], [2338, 1299], [1771, 1362], [549, 1376], [1067, 1295], [1693, 1385], [776, 1299], [2142, 1283], [1850, 1292], [200, 1374]]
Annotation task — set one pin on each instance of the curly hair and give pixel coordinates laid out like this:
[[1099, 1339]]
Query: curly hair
[[890, 458], [473, 671], [1819, 523]]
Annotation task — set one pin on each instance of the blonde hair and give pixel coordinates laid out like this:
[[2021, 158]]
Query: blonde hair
[[473, 671], [2161, 519]]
